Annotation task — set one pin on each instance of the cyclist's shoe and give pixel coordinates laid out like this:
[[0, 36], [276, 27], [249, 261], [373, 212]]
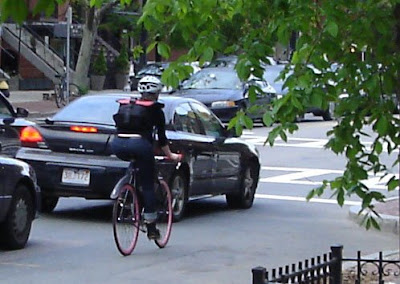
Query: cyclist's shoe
[[152, 232]]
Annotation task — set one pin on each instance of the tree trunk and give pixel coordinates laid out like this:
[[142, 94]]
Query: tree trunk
[[85, 52], [93, 19]]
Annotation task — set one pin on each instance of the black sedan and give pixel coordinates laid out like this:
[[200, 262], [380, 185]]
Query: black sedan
[[19, 201], [220, 89], [15, 120], [71, 153]]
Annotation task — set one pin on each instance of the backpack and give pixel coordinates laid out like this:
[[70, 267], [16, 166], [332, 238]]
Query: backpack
[[134, 117]]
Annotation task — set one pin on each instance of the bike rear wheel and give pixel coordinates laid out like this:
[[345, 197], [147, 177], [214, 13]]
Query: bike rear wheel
[[126, 220], [164, 213], [60, 96]]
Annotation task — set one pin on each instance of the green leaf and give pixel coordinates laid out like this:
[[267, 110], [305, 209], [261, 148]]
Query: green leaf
[[340, 197], [378, 147], [393, 184], [17, 9], [44, 5], [151, 47], [310, 195], [207, 55], [267, 119], [382, 126], [332, 28], [375, 223], [163, 49]]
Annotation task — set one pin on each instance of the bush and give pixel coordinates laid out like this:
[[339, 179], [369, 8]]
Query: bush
[[122, 60], [99, 66]]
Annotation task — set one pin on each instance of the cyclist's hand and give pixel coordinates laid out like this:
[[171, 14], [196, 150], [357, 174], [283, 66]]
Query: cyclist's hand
[[175, 157]]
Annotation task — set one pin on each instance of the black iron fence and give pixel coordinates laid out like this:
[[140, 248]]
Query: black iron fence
[[328, 269]]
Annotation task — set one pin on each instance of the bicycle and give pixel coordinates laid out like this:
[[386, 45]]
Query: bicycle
[[62, 98], [128, 217]]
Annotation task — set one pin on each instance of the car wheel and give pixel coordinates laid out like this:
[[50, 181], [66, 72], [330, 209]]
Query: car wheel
[[17, 227], [178, 187], [328, 114], [48, 204], [245, 197]]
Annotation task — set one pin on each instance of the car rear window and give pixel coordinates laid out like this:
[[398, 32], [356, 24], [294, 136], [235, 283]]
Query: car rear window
[[91, 109]]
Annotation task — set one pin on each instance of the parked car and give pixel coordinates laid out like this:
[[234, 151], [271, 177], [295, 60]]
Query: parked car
[[155, 69], [19, 197], [15, 120], [220, 89], [271, 74], [72, 157]]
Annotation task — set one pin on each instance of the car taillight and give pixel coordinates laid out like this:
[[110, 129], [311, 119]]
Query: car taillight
[[84, 129], [31, 135]]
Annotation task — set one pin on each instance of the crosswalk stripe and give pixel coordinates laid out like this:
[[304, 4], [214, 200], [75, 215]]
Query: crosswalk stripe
[[303, 199]]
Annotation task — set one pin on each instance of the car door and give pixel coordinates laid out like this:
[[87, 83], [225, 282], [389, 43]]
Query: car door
[[197, 146], [8, 134], [226, 158]]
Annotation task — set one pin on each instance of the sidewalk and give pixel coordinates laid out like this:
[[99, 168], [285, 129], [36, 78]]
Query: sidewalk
[[39, 107], [388, 212], [41, 103], [33, 101]]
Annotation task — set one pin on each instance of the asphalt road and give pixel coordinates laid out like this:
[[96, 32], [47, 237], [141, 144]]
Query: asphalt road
[[213, 244]]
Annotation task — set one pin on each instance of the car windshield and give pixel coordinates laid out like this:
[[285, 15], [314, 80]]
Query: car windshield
[[213, 78], [152, 69]]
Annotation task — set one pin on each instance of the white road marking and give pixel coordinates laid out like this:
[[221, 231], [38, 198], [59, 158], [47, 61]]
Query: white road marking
[[20, 264], [302, 176], [297, 142], [303, 199]]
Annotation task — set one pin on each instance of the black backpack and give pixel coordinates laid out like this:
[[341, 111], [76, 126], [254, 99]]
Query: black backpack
[[133, 117]]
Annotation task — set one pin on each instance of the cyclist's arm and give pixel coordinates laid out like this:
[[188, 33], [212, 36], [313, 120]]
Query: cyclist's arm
[[162, 138]]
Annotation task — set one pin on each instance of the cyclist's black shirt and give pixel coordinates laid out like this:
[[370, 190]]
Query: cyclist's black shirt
[[142, 117]]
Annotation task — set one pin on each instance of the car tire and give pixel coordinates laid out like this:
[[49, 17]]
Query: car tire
[[16, 229], [328, 114], [179, 189], [48, 204], [245, 197]]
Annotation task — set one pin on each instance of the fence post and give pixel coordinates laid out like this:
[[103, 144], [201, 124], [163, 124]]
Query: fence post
[[336, 267], [259, 275]]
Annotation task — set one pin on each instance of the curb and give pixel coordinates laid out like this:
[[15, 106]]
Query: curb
[[388, 223]]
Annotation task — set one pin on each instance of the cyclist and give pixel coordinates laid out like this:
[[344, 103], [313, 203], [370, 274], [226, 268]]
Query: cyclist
[[136, 122]]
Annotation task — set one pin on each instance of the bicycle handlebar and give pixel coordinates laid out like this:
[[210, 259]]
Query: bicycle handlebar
[[165, 158]]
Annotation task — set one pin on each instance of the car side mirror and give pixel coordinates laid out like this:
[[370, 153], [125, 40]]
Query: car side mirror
[[8, 120], [231, 132], [22, 112]]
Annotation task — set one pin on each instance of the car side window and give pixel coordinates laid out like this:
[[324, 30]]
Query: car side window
[[4, 111], [185, 119], [211, 124]]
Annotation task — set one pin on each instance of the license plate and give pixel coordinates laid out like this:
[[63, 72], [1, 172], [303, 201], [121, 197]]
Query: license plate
[[76, 176]]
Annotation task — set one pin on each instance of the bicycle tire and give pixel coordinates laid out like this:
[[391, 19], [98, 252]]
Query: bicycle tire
[[126, 220], [60, 98], [164, 213]]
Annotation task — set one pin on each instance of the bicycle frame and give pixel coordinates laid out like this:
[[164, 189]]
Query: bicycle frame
[[129, 177]]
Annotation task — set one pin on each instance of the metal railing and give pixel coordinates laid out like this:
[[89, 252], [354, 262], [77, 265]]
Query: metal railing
[[328, 269]]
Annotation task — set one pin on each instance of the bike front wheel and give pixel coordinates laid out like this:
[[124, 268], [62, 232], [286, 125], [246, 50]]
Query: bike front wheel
[[126, 220], [164, 213], [60, 96]]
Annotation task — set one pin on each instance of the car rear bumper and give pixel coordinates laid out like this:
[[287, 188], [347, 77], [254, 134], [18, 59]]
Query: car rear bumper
[[104, 172], [225, 114]]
